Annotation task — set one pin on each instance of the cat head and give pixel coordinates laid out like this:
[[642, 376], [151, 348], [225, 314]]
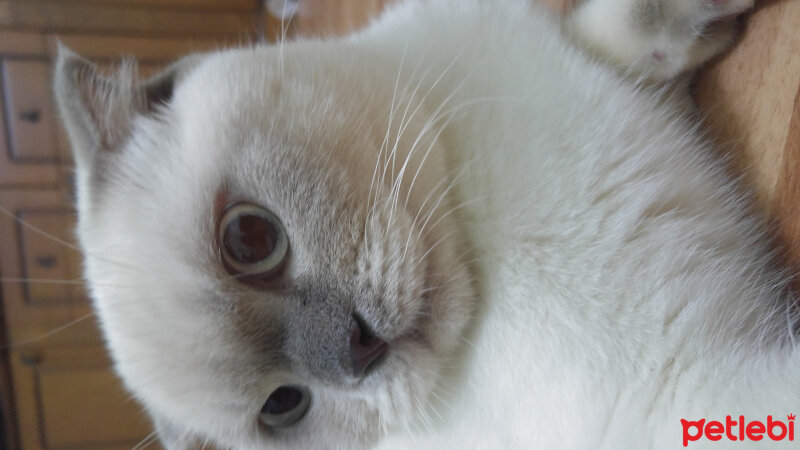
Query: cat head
[[267, 241]]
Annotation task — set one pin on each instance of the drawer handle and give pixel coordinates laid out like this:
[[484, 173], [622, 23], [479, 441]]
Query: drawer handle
[[46, 262], [31, 116], [31, 359]]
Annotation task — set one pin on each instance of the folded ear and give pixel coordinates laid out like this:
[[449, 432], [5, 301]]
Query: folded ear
[[98, 111]]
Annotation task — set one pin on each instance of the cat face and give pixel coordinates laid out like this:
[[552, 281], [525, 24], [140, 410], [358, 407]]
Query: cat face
[[268, 241]]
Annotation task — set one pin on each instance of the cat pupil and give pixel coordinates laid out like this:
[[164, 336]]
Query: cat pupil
[[283, 400], [249, 239], [285, 406]]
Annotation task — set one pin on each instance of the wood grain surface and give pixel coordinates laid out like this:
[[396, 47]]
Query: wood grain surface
[[751, 97]]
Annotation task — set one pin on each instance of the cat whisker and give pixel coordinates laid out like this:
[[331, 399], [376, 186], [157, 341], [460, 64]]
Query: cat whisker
[[442, 195], [406, 419], [467, 341], [435, 207], [38, 230], [454, 209], [63, 242], [423, 414], [206, 440], [405, 120], [449, 114], [429, 289], [421, 209], [146, 441], [441, 399], [424, 203], [75, 282], [435, 410], [282, 39], [50, 333], [391, 158], [436, 115], [41, 281], [394, 192], [399, 177], [374, 181], [421, 231], [432, 247]]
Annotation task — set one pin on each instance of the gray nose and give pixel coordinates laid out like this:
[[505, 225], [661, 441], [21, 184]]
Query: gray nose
[[365, 349]]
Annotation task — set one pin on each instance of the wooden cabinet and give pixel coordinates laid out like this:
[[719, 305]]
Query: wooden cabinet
[[57, 387], [69, 398]]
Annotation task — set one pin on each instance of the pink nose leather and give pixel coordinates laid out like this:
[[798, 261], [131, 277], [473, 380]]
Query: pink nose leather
[[365, 350]]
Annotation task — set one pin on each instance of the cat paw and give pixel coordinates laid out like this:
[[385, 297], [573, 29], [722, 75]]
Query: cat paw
[[657, 39]]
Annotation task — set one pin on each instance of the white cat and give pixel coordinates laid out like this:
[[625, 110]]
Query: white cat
[[455, 229]]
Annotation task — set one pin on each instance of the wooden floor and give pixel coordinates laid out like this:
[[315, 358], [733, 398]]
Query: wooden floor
[[751, 97]]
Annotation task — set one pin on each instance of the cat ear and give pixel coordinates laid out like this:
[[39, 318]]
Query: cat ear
[[98, 111], [171, 436]]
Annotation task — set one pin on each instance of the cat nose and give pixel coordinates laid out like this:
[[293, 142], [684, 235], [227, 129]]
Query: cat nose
[[365, 349]]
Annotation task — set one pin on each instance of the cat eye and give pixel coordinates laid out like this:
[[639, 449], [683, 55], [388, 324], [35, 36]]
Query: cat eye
[[252, 241], [285, 406]]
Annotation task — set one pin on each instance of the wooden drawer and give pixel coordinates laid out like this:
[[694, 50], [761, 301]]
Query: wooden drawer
[[69, 398], [30, 145], [29, 116], [40, 266], [48, 260]]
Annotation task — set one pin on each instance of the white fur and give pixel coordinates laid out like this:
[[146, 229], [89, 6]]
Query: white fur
[[620, 282]]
